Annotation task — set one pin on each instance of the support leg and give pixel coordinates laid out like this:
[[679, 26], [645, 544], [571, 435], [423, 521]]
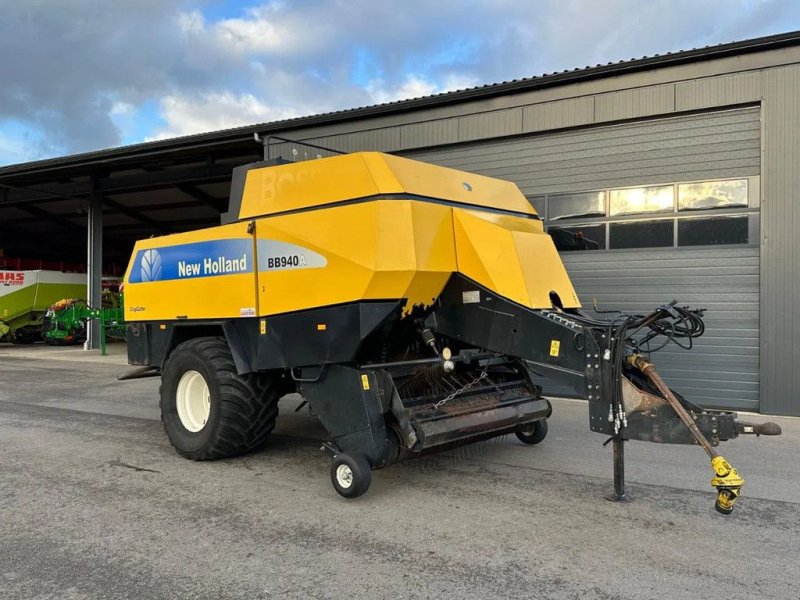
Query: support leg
[[619, 494]]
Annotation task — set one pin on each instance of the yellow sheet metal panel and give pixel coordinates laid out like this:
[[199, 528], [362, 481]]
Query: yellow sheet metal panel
[[310, 183], [204, 274], [513, 257], [307, 184], [425, 179], [381, 250], [543, 270]]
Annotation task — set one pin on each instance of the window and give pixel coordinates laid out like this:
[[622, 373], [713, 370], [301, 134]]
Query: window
[[698, 213], [538, 203], [635, 201], [712, 194], [579, 237], [713, 231], [642, 234], [581, 205]]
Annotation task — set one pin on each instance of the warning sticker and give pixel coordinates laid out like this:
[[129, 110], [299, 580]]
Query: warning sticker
[[555, 346], [365, 381]]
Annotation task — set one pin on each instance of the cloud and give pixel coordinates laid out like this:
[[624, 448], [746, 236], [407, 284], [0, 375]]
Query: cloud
[[96, 73], [209, 112]]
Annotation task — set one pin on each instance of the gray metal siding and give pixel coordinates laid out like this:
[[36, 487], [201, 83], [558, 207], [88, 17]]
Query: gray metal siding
[[780, 243], [636, 102], [723, 367], [707, 145]]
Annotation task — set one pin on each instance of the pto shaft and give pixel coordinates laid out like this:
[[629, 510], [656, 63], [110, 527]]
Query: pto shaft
[[726, 478]]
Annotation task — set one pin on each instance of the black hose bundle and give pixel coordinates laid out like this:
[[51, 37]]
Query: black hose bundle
[[674, 323], [632, 332]]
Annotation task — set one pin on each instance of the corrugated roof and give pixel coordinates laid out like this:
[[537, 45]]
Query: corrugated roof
[[479, 92]]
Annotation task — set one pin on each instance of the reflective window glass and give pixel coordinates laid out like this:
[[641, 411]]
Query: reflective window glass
[[538, 205], [713, 231], [712, 194], [581, 237], [581, 205], [634, 201], [641, 234]]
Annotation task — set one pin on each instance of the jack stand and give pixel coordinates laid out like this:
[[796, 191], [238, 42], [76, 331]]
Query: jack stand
[[619, 494]]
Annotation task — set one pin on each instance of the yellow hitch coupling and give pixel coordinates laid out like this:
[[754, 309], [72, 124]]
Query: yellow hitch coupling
[[726, 479], [728, 483]]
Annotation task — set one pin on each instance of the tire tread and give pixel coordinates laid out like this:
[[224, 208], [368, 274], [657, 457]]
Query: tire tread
[[248, 403]]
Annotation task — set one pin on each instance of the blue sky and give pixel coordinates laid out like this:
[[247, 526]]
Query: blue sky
[[93, 74]]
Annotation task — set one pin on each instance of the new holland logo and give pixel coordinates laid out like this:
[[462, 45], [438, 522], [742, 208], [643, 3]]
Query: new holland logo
[[150, 265]]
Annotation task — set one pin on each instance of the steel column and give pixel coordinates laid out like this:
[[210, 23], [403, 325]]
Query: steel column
[[94, 265]]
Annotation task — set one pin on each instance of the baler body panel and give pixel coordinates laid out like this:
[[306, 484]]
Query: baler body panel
[[359, 227], [367, 175], [204, 274]]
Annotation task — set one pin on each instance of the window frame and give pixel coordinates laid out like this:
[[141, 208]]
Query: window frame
[[752, 211]]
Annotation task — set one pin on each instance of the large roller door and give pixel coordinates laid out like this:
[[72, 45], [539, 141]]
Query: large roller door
[[722, 367], [678, 251]]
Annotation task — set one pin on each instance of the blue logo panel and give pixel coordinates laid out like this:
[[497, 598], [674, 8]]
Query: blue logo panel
[[198, 259]]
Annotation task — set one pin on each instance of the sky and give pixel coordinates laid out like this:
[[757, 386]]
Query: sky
[[80, 75]]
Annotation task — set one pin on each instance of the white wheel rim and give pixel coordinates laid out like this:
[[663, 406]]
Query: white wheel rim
[[193, 400], [344, 476]]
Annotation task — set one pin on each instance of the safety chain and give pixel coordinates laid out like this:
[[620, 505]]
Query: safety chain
[[444, 401]]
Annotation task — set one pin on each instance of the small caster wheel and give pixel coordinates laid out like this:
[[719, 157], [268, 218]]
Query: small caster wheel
[[532, 433], [351, 474]]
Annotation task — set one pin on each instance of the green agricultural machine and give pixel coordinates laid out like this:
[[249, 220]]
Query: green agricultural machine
[[25, 297], [65, 321]]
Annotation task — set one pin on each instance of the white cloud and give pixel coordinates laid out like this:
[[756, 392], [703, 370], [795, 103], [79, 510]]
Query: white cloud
[[416, 86], [279, 59], [213, 111], [123, 109], [268, 29]]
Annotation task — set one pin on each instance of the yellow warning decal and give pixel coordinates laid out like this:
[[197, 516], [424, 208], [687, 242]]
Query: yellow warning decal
[[321, 327], [365, 381], [555, 346], [262, 326]]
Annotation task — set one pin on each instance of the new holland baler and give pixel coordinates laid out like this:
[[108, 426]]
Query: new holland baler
[[411, 305]]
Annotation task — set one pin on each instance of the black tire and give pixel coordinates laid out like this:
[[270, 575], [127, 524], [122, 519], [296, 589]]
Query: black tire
[[532, 433], [354, 467], [243, 408]]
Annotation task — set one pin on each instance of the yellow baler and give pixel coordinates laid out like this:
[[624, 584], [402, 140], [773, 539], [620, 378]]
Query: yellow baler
[[411, 305]]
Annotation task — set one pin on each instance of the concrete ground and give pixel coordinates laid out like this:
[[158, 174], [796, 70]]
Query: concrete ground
[[94, 503]]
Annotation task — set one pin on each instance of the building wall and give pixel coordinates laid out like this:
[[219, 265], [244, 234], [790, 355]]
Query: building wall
[[722, 369], [769, 80]]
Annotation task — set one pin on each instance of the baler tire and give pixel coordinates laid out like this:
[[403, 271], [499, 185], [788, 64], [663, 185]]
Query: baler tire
[[354, 467], [532, 433], [242, 411]]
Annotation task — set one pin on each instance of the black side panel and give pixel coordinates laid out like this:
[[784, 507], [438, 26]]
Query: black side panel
[[311, 337], [150, 343], [319, 336], [137, 336], [346, 401]]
